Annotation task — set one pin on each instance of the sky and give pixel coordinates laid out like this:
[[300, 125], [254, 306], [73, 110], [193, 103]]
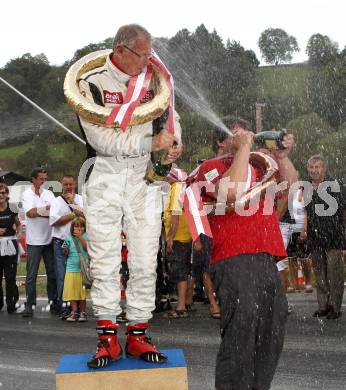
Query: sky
[[59, 28]]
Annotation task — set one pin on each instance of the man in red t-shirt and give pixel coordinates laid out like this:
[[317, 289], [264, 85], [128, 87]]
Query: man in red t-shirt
[[253, 303]]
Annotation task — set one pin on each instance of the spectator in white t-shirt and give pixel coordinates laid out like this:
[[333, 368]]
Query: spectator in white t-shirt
[[36, 204], [64, 209]]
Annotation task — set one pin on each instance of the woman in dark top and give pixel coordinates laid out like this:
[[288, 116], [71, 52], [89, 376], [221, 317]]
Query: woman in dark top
[[10, 233]]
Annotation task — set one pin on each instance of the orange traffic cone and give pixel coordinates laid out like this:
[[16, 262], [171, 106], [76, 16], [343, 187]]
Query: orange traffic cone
[[301, 279]]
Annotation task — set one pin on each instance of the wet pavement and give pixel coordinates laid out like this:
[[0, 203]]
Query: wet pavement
[[314, 355]]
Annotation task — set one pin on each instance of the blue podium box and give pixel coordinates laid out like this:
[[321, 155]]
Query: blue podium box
[[124, 374]]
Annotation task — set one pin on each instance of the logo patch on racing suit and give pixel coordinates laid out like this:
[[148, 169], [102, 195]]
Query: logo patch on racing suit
[[211, 175], [113, 97]]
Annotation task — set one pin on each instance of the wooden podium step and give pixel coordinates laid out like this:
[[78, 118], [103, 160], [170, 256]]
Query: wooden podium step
[[124, 374]]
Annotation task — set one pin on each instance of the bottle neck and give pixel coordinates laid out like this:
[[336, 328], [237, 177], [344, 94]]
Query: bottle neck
[[162, 166], [269, 139]]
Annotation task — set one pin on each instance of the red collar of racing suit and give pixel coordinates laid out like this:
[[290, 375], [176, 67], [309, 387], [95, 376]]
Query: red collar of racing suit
[[116, 64]]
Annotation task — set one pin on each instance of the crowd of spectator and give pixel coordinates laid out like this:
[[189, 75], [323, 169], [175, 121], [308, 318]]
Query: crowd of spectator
[[55, 232], [234, 271]]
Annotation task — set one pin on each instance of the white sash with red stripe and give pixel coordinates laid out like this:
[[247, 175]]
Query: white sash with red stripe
[[170, 83], [194, 209], [190, 198], [137, 88]]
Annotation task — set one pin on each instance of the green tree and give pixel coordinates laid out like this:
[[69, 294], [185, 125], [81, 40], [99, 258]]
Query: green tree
[[36, 156], [238, 92], [51, 94], [106, 44], [210, 74], [31, 70], [321, 50], [27, 74], [333, 148], [327, 87], [309, 132], [181, 38], [277, 46]]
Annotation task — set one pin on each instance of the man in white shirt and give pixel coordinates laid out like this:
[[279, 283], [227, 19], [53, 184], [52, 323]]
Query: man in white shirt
[[64, 209], [36, 204]]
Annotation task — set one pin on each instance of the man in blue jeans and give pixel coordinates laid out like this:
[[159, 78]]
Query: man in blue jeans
[[36, 204], [64, 209]]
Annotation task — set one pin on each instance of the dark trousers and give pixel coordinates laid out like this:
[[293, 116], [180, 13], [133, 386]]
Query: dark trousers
[[60, 268], [179, 262], [35, 252], [8, 268], [253, 315], [328, 267]]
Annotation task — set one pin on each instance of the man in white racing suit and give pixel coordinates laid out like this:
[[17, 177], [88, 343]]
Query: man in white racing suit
[[119, 198]]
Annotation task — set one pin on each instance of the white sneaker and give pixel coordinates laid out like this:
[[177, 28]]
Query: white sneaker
[[83, 317], [73, 317], [20, 309]]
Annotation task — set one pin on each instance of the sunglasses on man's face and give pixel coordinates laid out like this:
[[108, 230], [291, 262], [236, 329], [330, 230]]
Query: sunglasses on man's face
[[3, 193]]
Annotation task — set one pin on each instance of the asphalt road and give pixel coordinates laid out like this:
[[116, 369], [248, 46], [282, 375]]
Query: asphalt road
[[314, 355]]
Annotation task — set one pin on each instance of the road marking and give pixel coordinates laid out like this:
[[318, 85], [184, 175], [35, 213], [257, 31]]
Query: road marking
[[28, 369]]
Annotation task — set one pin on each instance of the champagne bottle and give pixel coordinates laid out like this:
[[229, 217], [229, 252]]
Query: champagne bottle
[[160, 169], [270, 139]]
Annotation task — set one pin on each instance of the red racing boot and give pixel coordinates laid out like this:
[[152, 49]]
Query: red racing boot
[[108, 347], [139, 345]]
